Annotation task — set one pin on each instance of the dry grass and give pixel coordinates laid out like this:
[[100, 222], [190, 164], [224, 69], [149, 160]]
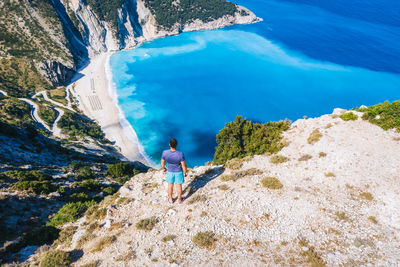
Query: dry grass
[[147, 224], [88, 234], [103, 243], [341, 216], [396, 138], [271, 183], [130, 255], [366, 196], [312, 257], [305, 157], [91, 264], [116, 226], [123, 200], [223, 187], [205, 240], [168, 238], [65, 236], [373, 219], [278, 159], [329, 125], [240, 174], [58, 95], [227, 177], [234, 164], [314, 136], [330, 174], [56, 258], [248, 172], [203, 214], [322, 154], [237, 163]]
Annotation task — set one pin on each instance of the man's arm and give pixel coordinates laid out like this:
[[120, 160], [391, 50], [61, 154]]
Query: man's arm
[[163, 165], [184, 166]]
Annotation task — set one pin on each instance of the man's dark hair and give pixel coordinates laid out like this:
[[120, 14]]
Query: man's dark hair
[[173, 143]]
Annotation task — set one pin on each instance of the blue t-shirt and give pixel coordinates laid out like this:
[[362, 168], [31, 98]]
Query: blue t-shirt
[[173, 159]]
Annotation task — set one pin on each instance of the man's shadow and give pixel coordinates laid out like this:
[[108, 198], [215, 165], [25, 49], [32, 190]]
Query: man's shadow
[[201, 180]]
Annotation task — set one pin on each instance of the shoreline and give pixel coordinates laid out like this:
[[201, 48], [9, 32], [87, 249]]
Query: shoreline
[[98, 99]]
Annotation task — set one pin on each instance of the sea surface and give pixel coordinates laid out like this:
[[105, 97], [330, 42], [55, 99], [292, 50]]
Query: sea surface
[[306, 58]]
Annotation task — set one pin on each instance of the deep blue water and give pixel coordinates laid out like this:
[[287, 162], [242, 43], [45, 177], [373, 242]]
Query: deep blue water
[[306, 58]]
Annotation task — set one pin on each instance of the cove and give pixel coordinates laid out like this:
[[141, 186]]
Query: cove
[[189, 86]]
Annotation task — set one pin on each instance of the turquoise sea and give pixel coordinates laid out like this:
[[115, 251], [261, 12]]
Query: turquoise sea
[[305, 58]]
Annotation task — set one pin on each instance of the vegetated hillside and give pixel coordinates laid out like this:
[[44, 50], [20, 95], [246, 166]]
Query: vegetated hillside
[[169, 13], [327, 198]]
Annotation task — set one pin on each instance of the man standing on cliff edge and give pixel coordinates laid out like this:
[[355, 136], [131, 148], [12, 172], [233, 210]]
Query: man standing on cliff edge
[[176, 169]]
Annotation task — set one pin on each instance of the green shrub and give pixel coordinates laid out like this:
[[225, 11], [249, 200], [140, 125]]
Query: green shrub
[[89, 185], [76, 125], [349, 116], [85, 173], [147, 224], [76, 197], [47, 114], [242, 138], [28, 175], [39, 187], [70, 212], [271, 183], [56, 258], [74, 166], [204, 239], [386, 115], [121, 171], [109, 190], [40, 236]]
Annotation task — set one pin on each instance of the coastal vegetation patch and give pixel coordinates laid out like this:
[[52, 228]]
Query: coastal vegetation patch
[[242, 138], [349, 116], [121, 171], [385, 115], [169, 13], [70, 212], [76, 125]]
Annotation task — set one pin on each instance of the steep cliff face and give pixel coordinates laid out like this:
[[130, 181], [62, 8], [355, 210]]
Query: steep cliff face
[[136, 23], [57, 36]]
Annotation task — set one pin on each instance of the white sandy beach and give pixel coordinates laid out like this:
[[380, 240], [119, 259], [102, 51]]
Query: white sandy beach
[[98, 100]]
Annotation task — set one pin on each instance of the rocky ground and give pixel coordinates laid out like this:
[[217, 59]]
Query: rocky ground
[[334, 201]]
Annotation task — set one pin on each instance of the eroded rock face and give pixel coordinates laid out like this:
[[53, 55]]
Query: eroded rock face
[[56, 72]]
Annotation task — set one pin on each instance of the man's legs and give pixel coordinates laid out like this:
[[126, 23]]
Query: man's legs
[[179, 192], [170, 191]]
